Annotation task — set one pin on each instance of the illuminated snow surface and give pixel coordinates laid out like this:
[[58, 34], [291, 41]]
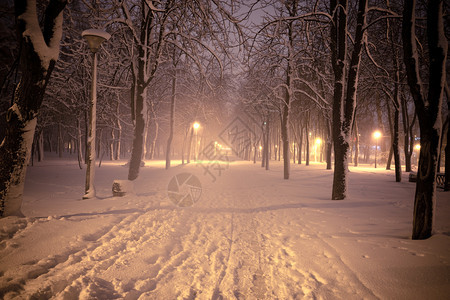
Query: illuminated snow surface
[[251, 235]]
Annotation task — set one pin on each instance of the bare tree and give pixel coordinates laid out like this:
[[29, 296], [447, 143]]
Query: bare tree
[[428, 107], [345, 87]]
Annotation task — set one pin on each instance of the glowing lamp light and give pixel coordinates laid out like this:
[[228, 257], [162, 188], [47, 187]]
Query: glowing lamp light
[[377, 134], [417, 147], [318, 141], [196, 125]]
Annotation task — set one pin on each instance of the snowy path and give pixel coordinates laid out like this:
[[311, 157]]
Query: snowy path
[[252, 235]]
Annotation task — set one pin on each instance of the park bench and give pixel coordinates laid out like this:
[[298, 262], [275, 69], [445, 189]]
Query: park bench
[[440, 179]]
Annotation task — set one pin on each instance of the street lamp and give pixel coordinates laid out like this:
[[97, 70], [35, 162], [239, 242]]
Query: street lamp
[[376, 136], [196, 126], [94, 38], [318, 142]]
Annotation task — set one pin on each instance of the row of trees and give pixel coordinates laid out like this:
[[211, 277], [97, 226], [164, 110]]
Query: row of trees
[[337, 68]]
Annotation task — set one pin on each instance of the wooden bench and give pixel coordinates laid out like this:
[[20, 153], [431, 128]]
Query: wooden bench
[[440, 179]]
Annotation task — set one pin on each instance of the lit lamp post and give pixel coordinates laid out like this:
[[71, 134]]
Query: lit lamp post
[[318, 142], [196, 126], [376, 136], [94, 38]]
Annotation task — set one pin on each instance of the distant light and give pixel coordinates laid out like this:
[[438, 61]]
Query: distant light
[[196, 125], [260, 147], [377, 134], [318, 141], [417, 147]]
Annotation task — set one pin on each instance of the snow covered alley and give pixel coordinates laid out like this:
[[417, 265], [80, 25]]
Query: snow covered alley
[[251, 235]]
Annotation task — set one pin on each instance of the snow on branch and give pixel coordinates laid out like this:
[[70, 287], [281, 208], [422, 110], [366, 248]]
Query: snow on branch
[[45, 45]]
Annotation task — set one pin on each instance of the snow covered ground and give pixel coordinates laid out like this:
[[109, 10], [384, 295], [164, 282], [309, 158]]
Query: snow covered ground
[[252, 235]]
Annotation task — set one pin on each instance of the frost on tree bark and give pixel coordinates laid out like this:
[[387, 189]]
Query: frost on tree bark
[[38, 54], [428, 108], [344, 100]]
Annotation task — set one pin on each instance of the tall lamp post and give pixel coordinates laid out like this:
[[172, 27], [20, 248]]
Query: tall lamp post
[[317, 146], [196, 126], [94, 38], [376, 136]]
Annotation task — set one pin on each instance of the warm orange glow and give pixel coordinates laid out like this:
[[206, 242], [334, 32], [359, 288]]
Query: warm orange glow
[[417, 147], [196, 125], [318, 141], [377, 134]]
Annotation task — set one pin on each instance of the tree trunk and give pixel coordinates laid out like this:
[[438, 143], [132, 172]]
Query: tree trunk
[[190, 144], [396, 100], [338, 58], [356, 144], [111, 145], [300, 141], [60, 141], [285, 138], [171, 122], [21, 117], [307, 139], [138, 138], [342, 123], [119, 130], [447, 148], [80, 149], [41, 145], [447, 153], [395, 147], [266, 146], [428, 108], [406, 135]]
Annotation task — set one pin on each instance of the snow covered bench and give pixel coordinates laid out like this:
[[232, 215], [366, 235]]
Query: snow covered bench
[[440, 179]]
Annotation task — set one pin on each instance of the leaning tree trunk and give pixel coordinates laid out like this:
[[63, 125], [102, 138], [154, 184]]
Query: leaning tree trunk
[[428, 108], [38, 55]]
